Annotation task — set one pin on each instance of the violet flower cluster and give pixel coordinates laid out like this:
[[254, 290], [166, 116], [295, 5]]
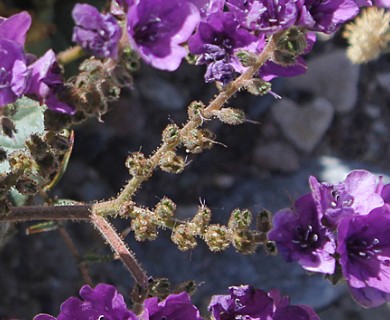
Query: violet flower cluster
[[215, 31], [345, 224], [24, 74], [244, 302]]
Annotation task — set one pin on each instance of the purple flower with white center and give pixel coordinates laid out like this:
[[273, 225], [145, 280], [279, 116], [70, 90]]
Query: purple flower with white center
[[364, 249], [103, 301], [174, 307], [300, 236], [158, 28], [267, 16], [14, 74], [15, 27], [46, 81], [96, 32], [326, 16], [357, 195], [246, 302], [216, 40]]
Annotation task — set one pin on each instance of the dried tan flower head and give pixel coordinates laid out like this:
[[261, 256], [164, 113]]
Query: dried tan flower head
[[368, 35]]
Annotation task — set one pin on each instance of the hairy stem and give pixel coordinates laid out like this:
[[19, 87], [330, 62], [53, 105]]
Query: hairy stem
[[70, 55], [119, 247], [23, 214], [216, 104]]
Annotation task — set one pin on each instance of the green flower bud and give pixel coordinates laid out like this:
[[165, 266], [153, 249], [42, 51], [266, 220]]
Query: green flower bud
[[217, 237], [240, 220], [244, 242], [165, 209], [183, 238], [230, 116], [172, 163], [171, 134]]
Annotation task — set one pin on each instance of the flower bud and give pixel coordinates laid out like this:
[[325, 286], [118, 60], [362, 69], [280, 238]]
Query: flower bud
[[37, 146], [8, 127], [26, 186], [165, 209], [217, 237], [246, 58], [244, 242], [59, 143], [144, 225], [138, 165], [201, 219], [197, 140], [230, 116], [183, 238], [264, 221], [21, 163], [240, 220], [172, 163], [171, 134], [195, 111], [270, 248], [257, 87]]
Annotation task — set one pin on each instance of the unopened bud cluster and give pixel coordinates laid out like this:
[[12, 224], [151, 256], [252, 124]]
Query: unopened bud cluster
[[35, 167]]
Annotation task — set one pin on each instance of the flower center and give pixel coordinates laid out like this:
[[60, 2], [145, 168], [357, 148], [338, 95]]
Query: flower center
[[4, 78], [147, 32], [340, 200], [363, 248], [305, 237]]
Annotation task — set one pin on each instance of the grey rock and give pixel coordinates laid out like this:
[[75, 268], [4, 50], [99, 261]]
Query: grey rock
[[277, 156], [304, 125], [331, 76], [161, 93]]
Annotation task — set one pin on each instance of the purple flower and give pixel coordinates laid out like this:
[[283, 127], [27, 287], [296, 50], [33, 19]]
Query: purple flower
[[216, 41], [207, 7], [14, 74], [299, 236], [364, 249], [357, 195], [157, 28], [175, 306], [96, 32], [246, 302], [15, 27], [243, 301], [102, 301], [46, 81], [326, 16], [284, 311], [267, 16], [382, 3]]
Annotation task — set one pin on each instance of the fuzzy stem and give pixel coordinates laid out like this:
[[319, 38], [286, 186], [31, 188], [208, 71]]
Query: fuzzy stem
[[70, 55], [136, 181], [117, 244], [23, 214]]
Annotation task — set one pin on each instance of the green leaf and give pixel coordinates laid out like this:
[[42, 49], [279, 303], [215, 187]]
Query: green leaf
[[28, 120]]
